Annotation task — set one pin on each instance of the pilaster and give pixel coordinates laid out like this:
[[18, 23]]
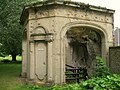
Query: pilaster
[[32, 62], [50, 63]]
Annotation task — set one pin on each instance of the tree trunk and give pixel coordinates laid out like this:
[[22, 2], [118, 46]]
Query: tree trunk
[[14, 57]]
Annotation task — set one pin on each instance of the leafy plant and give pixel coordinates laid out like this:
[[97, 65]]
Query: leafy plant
[[37, 87], [67, 87], [101, 68], [103, 80], [109, 82]]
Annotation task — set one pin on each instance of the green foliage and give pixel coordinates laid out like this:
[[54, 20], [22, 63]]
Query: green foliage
[[103, 80], [101, 69], [18, 58], [68, 87], [9, 80], [11, 32], [10, 29], [36, 87], [109, 82]]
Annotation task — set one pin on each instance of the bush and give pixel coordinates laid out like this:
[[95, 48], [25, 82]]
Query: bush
[[109, 82], [102, 80], [101, 68]]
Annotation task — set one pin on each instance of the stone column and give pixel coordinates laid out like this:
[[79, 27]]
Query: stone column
[[59, 62], [24, 58], [32, 62], [49, 73], [62, 47], [104, 50]]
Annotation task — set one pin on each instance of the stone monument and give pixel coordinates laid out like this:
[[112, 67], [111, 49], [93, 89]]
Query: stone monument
[[59, 33]]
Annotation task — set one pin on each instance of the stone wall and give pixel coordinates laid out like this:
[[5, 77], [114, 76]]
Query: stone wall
[[114, 56]]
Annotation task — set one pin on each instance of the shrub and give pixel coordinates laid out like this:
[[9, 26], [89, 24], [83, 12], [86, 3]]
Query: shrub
[[109, 82], [102, 80], [101, 68]]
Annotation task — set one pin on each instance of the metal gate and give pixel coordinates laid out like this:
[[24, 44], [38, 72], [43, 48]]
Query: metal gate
[[75, 74]]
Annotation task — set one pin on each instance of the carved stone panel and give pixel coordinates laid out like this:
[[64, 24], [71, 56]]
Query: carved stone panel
[[40, 60]]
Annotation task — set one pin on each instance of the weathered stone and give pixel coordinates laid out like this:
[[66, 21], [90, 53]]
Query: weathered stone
[[57, 33]]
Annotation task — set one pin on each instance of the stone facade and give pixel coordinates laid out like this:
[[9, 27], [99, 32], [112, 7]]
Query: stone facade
[[45, 42]]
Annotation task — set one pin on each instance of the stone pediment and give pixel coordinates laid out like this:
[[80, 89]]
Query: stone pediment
[[38, 31], [40, 34]]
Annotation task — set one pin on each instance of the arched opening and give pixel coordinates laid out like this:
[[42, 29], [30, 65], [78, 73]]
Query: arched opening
[[81, 46]]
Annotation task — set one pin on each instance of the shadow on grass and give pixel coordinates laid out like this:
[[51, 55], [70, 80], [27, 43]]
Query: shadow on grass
[[6, 61], [10, 78]]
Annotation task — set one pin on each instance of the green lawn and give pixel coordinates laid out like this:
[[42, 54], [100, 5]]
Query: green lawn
[[10, 78]]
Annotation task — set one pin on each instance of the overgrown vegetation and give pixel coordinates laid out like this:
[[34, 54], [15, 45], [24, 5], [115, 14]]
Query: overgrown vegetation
[[103, 80], [109, 82], [10, 80], [102, 69]]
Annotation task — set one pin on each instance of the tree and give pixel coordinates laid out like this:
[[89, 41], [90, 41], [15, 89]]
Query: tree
[[10, 29]]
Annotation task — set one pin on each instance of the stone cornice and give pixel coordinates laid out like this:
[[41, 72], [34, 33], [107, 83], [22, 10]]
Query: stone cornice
[[67, 3]]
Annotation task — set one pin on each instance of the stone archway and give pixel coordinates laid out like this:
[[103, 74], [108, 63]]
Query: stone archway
[[82, 45], [100, 30], [71, 52]]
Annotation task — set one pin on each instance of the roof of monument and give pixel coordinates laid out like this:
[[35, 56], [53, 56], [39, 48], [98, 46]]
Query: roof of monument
[[67, 3]]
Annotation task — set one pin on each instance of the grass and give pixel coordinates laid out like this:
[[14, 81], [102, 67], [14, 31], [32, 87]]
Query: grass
[[10, 78]]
